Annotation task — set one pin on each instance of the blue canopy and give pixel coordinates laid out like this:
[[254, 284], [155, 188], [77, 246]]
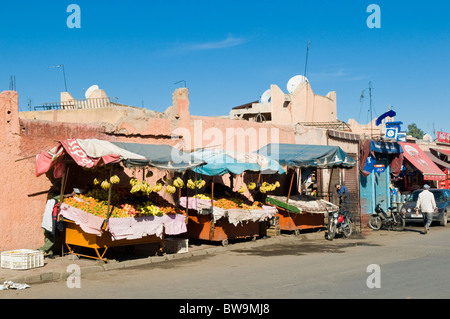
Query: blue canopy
[[386, 147], [298, 155], [161, 156], [221, 162]]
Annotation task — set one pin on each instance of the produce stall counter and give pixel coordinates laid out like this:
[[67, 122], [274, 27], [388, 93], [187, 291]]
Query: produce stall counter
[[301, 212], [208, 222], [87, 230]]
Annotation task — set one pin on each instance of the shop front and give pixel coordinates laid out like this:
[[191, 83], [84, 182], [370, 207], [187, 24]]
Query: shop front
[[379, 163]]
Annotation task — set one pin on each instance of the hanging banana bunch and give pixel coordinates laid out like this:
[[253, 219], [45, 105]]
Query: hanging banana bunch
[[105, 184], [178, 183], [200, 183], [170, 189], [114, 179], [157, 187]]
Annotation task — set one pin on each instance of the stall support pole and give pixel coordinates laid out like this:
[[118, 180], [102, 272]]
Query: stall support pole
[[108, 213], [212, 225], [212, 192], [61, 200], [290, 187], [329, 184], [63, 185]]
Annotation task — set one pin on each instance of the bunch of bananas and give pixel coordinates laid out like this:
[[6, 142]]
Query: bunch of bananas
[[146, 188], [96, 181], [202, 196], [170, 189], [241, 190], [133, 181], [251, 186], [149, 209], [105, 184], [266, 187], [138, 186], [114, 179], [192, 185], [157, 187], [178, 183], [200, 183]]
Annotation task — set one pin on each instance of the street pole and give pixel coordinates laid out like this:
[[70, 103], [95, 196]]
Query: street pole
[[64, 74]]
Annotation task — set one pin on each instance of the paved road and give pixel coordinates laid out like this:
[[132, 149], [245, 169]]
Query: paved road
[[411, 266]]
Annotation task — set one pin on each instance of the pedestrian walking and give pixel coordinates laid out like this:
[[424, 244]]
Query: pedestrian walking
[[427, 205]]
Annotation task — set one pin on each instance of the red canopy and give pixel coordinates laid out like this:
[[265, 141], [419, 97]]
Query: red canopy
[[52, 158], [422, 162]]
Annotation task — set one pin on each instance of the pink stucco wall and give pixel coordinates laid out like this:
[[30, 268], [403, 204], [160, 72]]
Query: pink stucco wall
[[23, 195]]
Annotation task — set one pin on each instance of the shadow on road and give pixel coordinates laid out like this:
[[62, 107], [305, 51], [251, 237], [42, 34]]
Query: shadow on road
[[302, 248]]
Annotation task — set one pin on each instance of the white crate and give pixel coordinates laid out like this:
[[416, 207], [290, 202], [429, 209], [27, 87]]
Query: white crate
[[22, 259], [176, 245]]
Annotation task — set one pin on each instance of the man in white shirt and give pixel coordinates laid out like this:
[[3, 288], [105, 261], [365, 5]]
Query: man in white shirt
[[427, 204]]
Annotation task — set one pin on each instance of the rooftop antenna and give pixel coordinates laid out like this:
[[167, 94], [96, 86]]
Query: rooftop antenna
[[180, 82], [370, 107], [64, 73], [12, 83], [306, 62], [361, 98]]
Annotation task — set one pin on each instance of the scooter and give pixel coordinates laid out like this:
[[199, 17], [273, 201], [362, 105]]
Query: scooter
[[394, 220], [339, 223]]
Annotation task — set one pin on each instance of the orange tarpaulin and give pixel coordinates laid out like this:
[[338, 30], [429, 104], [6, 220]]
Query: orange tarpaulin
[[422, 162]]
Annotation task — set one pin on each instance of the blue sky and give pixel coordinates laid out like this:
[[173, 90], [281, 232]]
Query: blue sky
[[230, 52]]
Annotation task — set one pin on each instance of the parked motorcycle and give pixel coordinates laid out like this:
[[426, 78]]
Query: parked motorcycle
[[339, 223], [392, 220]]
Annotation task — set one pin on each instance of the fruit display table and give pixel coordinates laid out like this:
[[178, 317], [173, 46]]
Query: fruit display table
[[75, 236], [212, 223], [301, 212], [87, 230]]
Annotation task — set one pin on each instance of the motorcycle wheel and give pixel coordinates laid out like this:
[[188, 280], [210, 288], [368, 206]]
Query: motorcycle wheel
[[331, 230], [400, 224], [347, 229], [375, 222]]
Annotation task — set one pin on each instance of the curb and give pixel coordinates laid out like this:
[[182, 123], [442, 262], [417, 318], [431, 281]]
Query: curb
[[54, 276]]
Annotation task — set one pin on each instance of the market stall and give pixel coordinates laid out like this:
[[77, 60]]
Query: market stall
[[109, 214], [302, 211], [234, 216]]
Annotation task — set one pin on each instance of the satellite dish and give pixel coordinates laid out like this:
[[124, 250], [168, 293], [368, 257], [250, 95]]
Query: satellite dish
[[91, 90], [294, 82], [266, 96]]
